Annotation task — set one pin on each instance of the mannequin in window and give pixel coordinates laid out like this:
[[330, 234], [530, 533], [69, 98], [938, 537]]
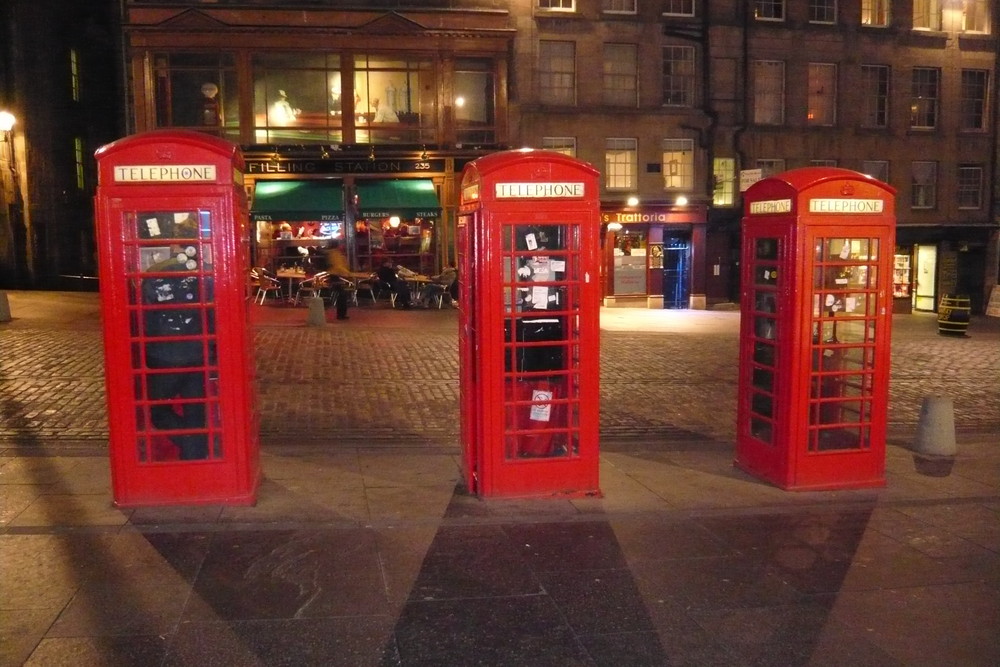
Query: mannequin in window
[[383, 113], [209, 104], [282, 111]]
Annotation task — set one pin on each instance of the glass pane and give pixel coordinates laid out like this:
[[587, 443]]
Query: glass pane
[[765, 274], [766, 302], [765, 327], [763, 354], [763, 379], [538, 421], [762, 404]]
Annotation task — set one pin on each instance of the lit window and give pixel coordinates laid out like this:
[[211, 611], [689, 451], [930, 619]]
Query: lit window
[[877, 169], [678, 164], [678, 7], [769, 10], [197, 91], [619, 6], [769, 92], [974, 91], [875, 90], [822, 11], [78, 161], [926, 14], [822, 94], [74, 74], [620, 164], [392, 100], [875, 13], [557, 5], [924, 97], [564, 145], [724, 179], [975, 16], [475, 101], [678, 76], [923, 185], [970, 186], [620, 74], [557, 72]]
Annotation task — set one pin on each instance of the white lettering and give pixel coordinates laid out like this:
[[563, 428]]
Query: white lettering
[[538, 190], [187, 173], [846, 206]]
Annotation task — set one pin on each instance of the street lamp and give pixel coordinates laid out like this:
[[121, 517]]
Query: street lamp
[[15, 205]]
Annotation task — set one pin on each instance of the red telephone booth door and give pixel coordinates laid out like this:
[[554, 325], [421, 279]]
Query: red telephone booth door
[[171, 217], [814, 343], [529, 334]]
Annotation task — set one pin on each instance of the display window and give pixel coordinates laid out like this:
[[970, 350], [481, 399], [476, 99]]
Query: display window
[[630, 250], [409, 243], [197, 91], [297, 98]]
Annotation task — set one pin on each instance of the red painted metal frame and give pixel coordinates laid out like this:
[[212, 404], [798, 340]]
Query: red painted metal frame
[[148, 465], [805, 372], [518, 440]]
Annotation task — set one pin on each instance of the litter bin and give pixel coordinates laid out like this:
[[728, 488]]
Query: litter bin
[[953, 315]]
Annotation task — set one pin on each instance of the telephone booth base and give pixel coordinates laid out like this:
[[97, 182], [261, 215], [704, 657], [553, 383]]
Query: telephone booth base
[[836, 480]]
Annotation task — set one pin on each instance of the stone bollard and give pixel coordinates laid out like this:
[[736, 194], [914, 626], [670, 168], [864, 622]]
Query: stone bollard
[[4, 308], [936, 428], [317, 313]]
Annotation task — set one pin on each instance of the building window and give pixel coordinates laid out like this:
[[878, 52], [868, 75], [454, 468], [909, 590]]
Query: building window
[[877, 169], [395, 99], [557, 72], [974, 93], [619, 6], [620, 164], [724, 181], [975, 16], [197, 91], [768, 92], [78, 161], [620, 75], [678, 164], [822, 94], [875, 88], [558, 5], [822, 11], [297, 98], [678, 8], [769, 10], [564, 145], [678, 76], [875, 13], [74, 74], [475, 101], [924, 101], [822, 163], [970, 186], [923, 185], [770, 167], [926, 14]]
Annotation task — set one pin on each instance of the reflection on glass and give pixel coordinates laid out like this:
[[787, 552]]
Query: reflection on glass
[[761, 429], [762, 404], [765, 302], [765, 327], [763, 379], [763, 354], [766, 248]]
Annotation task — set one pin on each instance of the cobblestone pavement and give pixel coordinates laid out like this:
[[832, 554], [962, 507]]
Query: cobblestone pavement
[[391, 377]]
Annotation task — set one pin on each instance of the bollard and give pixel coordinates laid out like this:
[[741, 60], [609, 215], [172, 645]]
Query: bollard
[[317, 313], [4, 308], [936, 428]]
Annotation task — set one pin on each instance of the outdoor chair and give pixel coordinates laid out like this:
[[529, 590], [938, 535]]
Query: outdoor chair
[[312, 287], [267, 285]]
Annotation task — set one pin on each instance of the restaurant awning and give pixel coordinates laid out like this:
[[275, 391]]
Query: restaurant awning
[[407, 198], [321, 200]]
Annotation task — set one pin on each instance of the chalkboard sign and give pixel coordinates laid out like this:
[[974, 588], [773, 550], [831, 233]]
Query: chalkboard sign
[[993, 307]]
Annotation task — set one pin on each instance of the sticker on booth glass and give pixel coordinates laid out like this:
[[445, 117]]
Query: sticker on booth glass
[[558, 266], [531, 242], [845, 250], [190, 251], [191, 265], [540, 297], [182, 258], [153, 225], [541, 409]]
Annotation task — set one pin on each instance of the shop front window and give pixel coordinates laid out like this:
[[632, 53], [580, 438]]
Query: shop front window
[[394, 100], [197, 91], [297, 98], [630, 261]]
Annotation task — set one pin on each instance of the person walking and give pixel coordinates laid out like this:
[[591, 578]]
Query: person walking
[[340, 270]]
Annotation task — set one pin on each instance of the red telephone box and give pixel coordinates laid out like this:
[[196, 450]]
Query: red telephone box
[[173, 248], [529, 336], [814, 338]]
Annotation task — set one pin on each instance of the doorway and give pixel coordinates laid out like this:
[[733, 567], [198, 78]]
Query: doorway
[[925, 294], [676, 263]]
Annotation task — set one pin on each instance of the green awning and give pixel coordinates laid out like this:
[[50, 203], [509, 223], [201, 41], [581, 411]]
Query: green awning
[[297, 201], [410, 198]]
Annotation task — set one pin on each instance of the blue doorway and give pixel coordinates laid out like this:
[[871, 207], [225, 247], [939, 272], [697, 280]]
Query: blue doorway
[[676, 262]]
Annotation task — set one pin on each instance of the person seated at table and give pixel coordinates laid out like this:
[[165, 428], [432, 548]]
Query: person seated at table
[[439, 285], [340, 270], [387, 274]]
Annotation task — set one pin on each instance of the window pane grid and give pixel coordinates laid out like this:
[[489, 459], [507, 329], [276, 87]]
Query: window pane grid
[[924, 102], [875, 79], [678, 164], [678, 76], [927, 14], [875, 13], [923, 185], [619, 6], [823, 11], [724, 175], [678, 7], [620, 164], [564, 145], [557, 72], [620, 75], [974, 91], [822, 94], [769, 10], [970, 187], [769, 92]]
